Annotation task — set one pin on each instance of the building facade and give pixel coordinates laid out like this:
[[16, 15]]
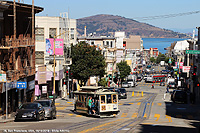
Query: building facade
[[17, 53], [60, 28]]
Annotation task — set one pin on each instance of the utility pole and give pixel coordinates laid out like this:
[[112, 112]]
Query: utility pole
[[33, 22], [14, 12]]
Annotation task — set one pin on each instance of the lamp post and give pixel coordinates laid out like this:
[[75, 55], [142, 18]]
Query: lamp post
[[68, 68]]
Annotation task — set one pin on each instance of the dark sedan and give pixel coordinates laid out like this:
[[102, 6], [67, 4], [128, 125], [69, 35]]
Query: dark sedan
[[30, 111], [122, 93], [179, 96]]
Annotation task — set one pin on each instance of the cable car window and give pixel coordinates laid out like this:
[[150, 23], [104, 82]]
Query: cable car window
[[103, 99], [79, 97], [109, 100], [114, 98]]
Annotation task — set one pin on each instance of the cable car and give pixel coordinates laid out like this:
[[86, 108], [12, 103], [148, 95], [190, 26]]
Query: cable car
[[105, 101]]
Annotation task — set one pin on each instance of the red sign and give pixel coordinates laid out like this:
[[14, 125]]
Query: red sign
[[186, 68]]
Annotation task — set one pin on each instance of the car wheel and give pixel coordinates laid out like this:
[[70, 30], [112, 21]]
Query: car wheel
[[16, 120]]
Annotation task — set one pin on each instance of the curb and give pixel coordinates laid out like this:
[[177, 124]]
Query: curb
[[6, 121]]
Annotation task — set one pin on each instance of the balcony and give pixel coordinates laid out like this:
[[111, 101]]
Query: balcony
[[13, 75], [7, 43]]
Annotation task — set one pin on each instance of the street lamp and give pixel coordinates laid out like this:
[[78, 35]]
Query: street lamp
[[68, 68]]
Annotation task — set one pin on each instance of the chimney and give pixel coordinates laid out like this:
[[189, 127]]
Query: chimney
[[85, 32]]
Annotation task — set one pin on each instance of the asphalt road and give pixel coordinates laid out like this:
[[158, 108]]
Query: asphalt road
[[138, 114]]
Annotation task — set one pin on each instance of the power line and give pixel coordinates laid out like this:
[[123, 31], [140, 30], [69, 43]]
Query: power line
[[119, 19]]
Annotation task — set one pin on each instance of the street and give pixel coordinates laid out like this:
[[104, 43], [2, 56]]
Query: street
[[147, 113]]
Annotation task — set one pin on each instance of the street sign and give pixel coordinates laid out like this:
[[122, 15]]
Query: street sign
[[2, 77], [186, 68], [21, 85], [192, 51]]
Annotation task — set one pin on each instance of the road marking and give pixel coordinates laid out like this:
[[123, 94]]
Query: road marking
[[69, 102], [57, 103], [130, 103], [157, 116], [138, 93], [60, 108], [145, 115], [132, 93], [169, 118], [126, 129], [70, 114], [97, 128], [78, 115], [124, 114], [134, 115], [159, 104], [139, 103], [179, 116]]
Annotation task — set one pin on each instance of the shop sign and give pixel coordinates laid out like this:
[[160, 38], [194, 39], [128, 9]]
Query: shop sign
[[2, 77], [44, 89], [186, 69], [31, 85], [41, 75]]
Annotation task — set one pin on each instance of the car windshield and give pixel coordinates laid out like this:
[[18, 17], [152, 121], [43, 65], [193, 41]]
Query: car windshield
[[122, 90], [44, 103], [28, 106]]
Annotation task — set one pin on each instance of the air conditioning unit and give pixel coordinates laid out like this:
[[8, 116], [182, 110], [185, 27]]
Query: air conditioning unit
[[68, 61]]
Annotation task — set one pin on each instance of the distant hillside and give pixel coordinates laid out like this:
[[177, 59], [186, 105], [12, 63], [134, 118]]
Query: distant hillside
[[108, 24]]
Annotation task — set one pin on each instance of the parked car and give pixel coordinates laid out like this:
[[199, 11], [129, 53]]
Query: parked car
[[122, 93], [30, 111], [162, 83], [179, 96], [126, 84], [49, 107], [172, 85]]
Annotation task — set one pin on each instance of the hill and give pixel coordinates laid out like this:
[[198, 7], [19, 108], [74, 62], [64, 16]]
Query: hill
[[107, 24]]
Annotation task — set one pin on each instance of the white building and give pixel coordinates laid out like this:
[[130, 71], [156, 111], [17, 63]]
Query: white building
[[49, 27], [120, 53]]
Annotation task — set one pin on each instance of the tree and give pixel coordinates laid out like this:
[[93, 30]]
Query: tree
[[152, 59], [103, 82], [161, 57], [86, 62], [167, 60], [124, 69]]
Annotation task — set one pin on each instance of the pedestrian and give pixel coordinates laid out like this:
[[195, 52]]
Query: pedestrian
[[90, 105], [93, 107], [167, 89]]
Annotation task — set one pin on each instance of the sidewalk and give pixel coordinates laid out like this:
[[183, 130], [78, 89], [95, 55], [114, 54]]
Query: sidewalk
[[10, 118]]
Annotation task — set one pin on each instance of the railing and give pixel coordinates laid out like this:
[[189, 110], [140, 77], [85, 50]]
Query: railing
[[19, 42]]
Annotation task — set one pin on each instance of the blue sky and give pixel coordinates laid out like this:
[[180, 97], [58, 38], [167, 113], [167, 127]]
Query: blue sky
[[128, 8]]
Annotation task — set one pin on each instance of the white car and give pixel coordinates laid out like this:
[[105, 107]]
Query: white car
[[126, 84]]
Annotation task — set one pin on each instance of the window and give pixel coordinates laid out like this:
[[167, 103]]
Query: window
[[109, 100], [52, 32], [92, 43], [39, 34], [39, 57], [72, 36], [107, 43], [114, 98], [103, 99], [111, 44]]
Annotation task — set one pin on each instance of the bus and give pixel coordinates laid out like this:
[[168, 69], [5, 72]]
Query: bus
[[106, 101], [155, 78]]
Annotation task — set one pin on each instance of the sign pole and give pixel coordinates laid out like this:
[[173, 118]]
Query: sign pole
[[6, 102]]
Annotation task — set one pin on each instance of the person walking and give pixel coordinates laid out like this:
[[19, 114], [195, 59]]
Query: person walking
[[90, 105]]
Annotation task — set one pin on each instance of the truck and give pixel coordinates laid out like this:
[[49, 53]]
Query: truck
[[131, 79], [162, 63]]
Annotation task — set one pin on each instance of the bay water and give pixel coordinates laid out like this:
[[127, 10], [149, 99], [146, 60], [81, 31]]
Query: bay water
[[160, 43]]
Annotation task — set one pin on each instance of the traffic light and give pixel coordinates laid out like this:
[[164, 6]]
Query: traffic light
[[67, 72], [194, 74]]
